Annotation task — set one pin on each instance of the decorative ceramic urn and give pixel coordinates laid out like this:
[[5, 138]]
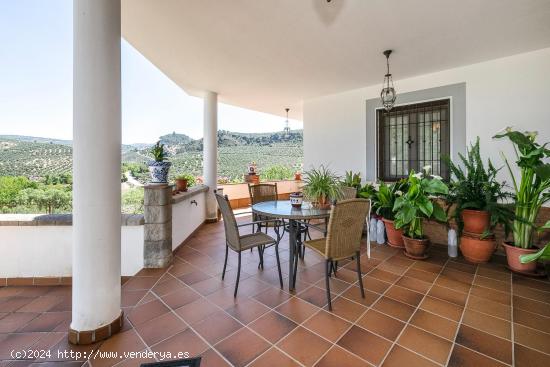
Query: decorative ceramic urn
[[296, 199]]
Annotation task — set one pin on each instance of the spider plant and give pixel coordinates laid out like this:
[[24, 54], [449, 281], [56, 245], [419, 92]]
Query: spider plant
[[321, 185]]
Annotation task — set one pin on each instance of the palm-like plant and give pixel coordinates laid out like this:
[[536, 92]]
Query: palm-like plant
[[352, 180], [477, 188], [321, 184], [532, 187]]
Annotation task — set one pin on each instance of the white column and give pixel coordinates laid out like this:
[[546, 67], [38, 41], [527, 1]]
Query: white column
[[96, 164], [210, 152]]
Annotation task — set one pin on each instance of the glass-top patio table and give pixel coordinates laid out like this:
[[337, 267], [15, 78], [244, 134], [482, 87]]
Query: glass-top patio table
[[282, 209]]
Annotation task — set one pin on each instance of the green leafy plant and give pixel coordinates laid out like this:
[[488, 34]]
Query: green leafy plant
[[532, 187], [352, 180], [159, 154], [543, 254], [187, 176], [417, 204], [320, 184], [476, 187], [383, 198]]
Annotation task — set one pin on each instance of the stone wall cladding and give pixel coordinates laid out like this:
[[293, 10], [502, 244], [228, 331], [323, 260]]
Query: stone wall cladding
[[157, 235]]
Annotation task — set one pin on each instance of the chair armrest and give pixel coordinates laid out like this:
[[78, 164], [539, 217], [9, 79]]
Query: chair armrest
[[258, 222]]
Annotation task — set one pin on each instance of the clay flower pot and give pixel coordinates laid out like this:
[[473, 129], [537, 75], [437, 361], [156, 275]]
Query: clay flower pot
[[512, 255], [476, 221], [181, 184], [477, 250], [416, 248], [323, 203], [395, 236]]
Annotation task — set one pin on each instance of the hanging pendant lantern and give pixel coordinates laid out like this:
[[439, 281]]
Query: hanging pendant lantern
[[287, 127], [388, 95]]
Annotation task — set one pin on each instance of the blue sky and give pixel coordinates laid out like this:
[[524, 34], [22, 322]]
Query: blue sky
[[36, 83]]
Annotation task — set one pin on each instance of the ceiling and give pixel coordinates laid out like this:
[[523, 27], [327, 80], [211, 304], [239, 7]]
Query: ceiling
[[269, 54]]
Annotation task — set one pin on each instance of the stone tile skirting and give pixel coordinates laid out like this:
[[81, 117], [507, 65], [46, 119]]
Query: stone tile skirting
[[94, 336]]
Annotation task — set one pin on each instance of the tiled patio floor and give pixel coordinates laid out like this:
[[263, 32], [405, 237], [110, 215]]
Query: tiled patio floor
[[415, 313]]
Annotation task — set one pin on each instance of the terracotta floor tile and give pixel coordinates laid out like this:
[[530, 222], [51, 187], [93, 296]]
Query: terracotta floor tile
[[490, 273], [160, 328], [448, 295], [462, 266], [247, 311], [491, 294], [354, 294], [297, 310], [242, 347], [346, 309], [532, 293], [487, 323], [273, 326], [186, 341], [217, 326], [211, 358], [404, 295], [131, 298], [455, 285], [526, 357], [427, 344], [385, 276], [272, 297], [397, 309], [180, 297], [167, 284], [127, 341], [375, 285], [381, 324], [274, 357], [413, 284], [46, 322], [337, 286], [442, 308], [532, 320], [426, 266], [356, 341], [210, 285], [435, 324], [315, 296], [337, 356], [492, 283], [17, 320], [40, 304], [533, 339], [489, 307], [18, 341], [146, 312], [193, 277], [464, 357], [482, 342], [400, 357], [327, 325], [197, 310], [304, 346], [540, 285], [139, 283], [533, 306], [425, 276], [457, 275]]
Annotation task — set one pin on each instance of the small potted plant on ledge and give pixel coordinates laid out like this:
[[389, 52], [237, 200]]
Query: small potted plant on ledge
[[184, 181], [532, 190], [477, 197], [159, 167], [321, 186], [414, 206]]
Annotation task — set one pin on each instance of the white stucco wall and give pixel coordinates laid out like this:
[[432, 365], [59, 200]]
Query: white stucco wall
[[509, 91], [187, 217], [46, 251]]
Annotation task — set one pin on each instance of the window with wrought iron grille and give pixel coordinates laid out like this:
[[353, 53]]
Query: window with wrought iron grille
[[411, 137]]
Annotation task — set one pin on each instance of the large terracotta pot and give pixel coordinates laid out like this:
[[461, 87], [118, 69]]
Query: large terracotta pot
[[477, 250], [476, 221], [416, 248], [395, 236], [323, 202], [512, 255]]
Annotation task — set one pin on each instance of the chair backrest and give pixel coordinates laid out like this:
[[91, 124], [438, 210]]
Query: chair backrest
[[345, 228], [262, 192], [229, 222], [348, 193]]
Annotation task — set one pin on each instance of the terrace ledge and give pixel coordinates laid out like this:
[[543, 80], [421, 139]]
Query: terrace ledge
[[58, 220], [195, 190]]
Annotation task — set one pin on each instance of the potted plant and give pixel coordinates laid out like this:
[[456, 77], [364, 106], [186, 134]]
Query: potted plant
[[184, 181], [321, 186], [543, 254], [159, 167], [352, 180], [532, 190], [415, 205], [383, 201], [477, 197]]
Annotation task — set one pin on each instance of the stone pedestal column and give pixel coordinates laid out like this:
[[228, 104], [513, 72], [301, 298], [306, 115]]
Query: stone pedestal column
[[157, 212]]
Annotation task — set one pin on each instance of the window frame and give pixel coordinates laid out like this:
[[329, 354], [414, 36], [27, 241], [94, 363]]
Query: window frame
[[379, 144]]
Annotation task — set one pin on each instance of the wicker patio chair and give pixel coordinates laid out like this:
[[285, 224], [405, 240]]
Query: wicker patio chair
[[343, 237], [239, 243]]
